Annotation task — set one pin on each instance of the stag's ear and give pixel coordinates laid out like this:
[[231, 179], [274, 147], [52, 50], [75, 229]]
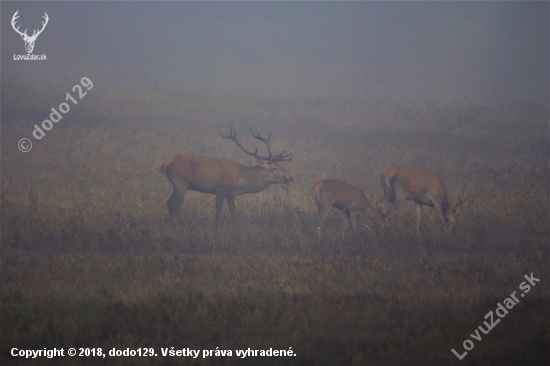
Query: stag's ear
[[261, 163]]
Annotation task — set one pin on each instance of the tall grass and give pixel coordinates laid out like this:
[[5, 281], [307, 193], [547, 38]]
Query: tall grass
[[89, 258]]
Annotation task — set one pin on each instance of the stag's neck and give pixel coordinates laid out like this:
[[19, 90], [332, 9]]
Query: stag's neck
[[253, 179]]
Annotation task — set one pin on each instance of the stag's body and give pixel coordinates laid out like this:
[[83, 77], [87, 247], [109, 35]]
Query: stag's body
[[422, 186], [224, 178], [345, 197]]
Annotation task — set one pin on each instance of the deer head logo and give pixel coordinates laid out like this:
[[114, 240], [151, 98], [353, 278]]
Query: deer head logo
[[29, 41]]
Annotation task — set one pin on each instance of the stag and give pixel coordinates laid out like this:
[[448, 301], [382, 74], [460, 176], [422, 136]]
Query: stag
[[29, 41], [345, 197], [422, 186], [224, 178]]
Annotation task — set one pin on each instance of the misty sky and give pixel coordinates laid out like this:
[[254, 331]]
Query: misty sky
[[449, 52]]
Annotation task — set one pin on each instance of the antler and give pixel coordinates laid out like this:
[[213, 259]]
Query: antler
[[24, 34], [283, 156], [13, 20], [46, 18], [279, 157]]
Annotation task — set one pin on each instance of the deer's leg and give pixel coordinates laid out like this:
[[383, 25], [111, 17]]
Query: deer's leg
[[441, 217], [348, 217], [232, 210], [174, 202], [384, 205], [418, 216], [231, 206], [220, 197], [345, 226]]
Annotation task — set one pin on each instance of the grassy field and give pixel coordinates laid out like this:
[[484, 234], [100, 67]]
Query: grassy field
[[90, 260]]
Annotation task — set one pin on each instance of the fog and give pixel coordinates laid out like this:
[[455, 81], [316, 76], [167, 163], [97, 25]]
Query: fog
[[422, 52], [105, 244]]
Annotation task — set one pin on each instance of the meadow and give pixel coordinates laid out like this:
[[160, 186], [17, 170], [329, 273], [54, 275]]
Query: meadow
[[89, 258]]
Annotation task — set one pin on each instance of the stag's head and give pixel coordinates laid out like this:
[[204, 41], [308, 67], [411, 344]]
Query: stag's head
[[275, 173], [29, 40]]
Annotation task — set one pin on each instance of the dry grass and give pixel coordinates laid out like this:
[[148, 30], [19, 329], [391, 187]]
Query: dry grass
[[89, 258]]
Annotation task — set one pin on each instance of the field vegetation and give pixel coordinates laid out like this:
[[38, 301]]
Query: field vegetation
[[90, 259]]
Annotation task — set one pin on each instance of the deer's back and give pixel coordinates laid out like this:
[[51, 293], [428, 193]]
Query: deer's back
[[204, 174], [416, 183], [339, 194]]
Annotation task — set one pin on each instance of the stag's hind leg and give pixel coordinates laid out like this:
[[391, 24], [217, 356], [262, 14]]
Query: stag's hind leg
[[174, 202]]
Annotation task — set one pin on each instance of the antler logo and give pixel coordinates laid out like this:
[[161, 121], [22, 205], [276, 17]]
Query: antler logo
[[29, 41]]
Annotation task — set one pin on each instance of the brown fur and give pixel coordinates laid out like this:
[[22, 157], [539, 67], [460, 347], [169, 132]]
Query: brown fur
[[422, 186], [224, 178], [345, 197]]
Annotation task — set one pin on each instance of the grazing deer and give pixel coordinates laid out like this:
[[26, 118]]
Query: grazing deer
[[224, 177], [422, 186], [345, 197]]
